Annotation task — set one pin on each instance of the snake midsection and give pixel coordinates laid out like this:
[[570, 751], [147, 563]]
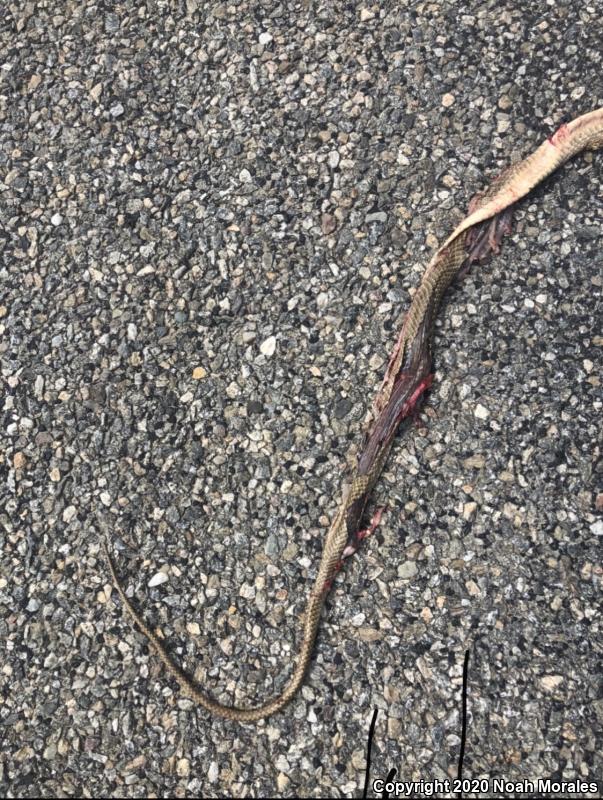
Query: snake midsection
[[407, 376]]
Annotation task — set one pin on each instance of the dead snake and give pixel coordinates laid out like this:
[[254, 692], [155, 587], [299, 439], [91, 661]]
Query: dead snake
[[407, 376]]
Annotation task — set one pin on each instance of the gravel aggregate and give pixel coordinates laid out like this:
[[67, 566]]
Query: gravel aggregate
[[213, 215]]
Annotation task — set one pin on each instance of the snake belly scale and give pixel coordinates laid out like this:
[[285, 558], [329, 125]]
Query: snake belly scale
[[407, 376]]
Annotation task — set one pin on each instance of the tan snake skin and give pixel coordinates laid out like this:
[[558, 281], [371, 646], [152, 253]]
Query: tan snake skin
[[407, 376]]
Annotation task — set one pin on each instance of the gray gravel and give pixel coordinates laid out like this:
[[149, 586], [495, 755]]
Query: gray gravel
[[212, 218]]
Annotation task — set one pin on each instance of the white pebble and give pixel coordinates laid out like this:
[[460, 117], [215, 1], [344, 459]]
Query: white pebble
[[232, 390], [158, 579], [407, 570], [56, 219], [268, 346], [69, 513], [322, 300], [265, 38], [481, 412], [551, 682]]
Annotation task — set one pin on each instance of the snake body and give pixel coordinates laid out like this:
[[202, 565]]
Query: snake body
[[407, 376]]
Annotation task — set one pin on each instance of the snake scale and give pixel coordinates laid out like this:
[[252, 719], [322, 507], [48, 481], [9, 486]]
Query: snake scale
[[407, 376]]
